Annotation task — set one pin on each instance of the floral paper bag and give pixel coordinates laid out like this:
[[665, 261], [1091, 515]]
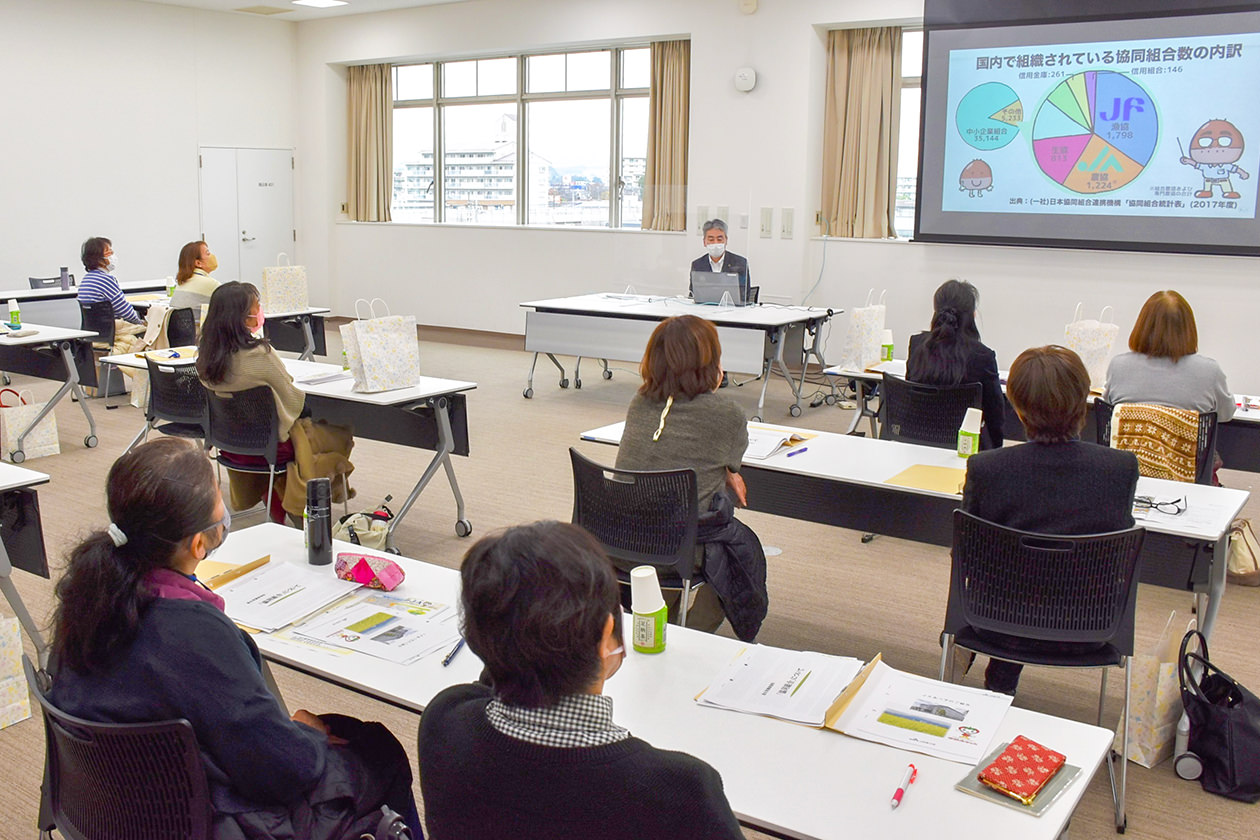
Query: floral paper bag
[[382, 351], [1154, 700], [15, 697], [1092, 341], [862, 340], [283, 287], [42, 440]]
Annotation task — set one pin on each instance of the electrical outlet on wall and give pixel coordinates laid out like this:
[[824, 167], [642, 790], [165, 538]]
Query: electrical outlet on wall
[[785, 223], [767, 222], [702, 215]]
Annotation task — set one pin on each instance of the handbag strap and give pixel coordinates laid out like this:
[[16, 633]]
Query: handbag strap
[[4, 391], [1102, 316], [1076, 316], [372, 307], [22, 396], [1188, 684], [870, 294], [286, 259], [357, 313]]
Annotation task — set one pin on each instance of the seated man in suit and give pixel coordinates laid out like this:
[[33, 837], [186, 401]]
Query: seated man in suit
[[531, 751], [718, 258]]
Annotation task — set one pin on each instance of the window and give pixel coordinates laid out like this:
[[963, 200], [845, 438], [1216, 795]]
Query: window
[[908, 145], [550, 139]]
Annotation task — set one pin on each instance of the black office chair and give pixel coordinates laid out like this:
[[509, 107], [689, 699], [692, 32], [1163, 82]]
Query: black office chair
[[1205, 452], [642, 518], [181, 328], [1076, 589], [925, 414], [245, 423], [48, 282], [177, 400], [98, 317], [142, 781]]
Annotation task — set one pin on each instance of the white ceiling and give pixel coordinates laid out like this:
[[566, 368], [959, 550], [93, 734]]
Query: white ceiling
[[354, 7]]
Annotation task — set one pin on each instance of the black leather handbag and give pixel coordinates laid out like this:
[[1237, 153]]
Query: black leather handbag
[[1224, 724]]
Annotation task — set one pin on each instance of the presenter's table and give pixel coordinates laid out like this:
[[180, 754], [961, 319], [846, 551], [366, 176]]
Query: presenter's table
[[433, 415], [842, 480], [56, 353], [788, 780], [609, 326], [21, 530]]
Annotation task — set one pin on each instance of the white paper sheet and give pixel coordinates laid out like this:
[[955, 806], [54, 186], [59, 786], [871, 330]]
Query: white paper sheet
[[279, 594], [793, 685], [399, 630]]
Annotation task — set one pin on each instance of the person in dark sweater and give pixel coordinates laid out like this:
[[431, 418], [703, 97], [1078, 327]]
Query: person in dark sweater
[[1055, 483], [137, 638], [531, 751], [952, 354]]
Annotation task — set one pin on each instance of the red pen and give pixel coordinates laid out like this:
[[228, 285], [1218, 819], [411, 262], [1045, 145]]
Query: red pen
[[912, 773]]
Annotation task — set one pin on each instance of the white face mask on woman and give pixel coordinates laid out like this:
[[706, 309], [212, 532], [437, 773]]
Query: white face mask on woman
[[112, 265]]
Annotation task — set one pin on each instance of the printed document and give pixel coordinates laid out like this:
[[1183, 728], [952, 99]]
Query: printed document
[[279, 594], [399, 630], [797, 686]]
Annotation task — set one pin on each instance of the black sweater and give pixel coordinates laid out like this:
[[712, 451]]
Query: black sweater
[[479, 783]]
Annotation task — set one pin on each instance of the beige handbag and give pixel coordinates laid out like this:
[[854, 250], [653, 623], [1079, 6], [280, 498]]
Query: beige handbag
[[1244, 554]]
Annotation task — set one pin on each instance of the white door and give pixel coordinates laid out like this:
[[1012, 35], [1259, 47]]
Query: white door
[[247, 209]]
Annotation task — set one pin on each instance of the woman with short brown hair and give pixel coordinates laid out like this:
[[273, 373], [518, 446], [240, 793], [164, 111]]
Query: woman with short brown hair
[[678, 420], [1165, 367]]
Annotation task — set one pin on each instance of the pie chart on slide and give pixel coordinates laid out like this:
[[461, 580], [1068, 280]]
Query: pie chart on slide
[[1095, 132], [989, 116]]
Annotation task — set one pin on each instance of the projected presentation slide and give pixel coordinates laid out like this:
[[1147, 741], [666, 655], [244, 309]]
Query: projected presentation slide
[[1146, 127]]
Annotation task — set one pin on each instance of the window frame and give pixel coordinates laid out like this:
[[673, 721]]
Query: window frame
[[615, 93], [911, 83]]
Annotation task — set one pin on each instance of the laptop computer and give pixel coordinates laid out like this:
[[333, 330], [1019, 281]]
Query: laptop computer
[[710, 286]]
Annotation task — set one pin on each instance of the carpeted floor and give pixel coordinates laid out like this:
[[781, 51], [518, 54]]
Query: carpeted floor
[[829, 592]]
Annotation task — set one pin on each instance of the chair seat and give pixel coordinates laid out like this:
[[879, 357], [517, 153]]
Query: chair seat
[[228, 460], [184, 430], [1107, 655]]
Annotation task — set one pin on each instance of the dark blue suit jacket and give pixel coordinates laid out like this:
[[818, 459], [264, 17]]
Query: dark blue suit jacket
[[733, 264]]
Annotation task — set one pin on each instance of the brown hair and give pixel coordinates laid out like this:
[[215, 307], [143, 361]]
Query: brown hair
[[534, 601], [1048, 387], [1165, 327], [683, 359], [188, 256]]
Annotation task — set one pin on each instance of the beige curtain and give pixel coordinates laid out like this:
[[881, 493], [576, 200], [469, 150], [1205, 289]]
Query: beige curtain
[[859, 180], [665, 182], [370, 169]]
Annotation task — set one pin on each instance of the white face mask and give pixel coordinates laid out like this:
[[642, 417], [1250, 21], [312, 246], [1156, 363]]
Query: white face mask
[[716, 249], [112, 265]]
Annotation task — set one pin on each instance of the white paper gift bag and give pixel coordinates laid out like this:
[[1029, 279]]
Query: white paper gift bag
[[382, 350], [15, 697], [862, 340], [14, 419], [1092, 341], [1155, 699], [283, 287]]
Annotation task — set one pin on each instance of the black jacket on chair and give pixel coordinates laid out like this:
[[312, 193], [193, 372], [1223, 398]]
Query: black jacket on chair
[[735, 566], [732, 264]]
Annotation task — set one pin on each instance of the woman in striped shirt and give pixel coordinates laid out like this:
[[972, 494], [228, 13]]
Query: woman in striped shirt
[[99, 284]]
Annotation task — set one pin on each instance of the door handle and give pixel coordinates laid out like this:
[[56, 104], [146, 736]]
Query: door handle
[[247, 238]]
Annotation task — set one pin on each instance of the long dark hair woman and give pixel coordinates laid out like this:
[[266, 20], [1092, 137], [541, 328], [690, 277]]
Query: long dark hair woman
[[233, 356], [951, 353], [138, 638]]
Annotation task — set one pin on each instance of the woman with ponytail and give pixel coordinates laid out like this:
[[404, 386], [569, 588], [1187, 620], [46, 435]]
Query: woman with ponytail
[[138, 638], [952, 354]]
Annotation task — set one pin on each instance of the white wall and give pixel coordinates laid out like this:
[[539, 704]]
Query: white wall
[[106, 103]]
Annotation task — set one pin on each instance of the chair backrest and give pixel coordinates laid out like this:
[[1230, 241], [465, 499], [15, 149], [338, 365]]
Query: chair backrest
[[142, 781], [927, 414], [640, 517], [48, 282], [244, 422], [176, 395], [1042, 586], [99, 318], [1205, 447], [181, 327]]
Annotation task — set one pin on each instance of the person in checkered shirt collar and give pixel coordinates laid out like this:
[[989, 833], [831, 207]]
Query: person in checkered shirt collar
[[531, 749]]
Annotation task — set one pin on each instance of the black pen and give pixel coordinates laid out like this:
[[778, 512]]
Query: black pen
[[458, 647]]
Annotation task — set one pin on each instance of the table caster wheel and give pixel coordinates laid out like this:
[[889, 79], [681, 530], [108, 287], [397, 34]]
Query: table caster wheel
[[830, 399], [608, 374], [528, 393], [90, 441], [1120, 828], [756, 418], [392, 550], [17, 456], [564, 383], [1188, 766], [7, 380], [577, 383], [794, 410], [462, 527]]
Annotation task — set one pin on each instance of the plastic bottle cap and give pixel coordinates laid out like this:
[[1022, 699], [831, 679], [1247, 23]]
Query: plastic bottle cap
[[971, 423], [645, 590]]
